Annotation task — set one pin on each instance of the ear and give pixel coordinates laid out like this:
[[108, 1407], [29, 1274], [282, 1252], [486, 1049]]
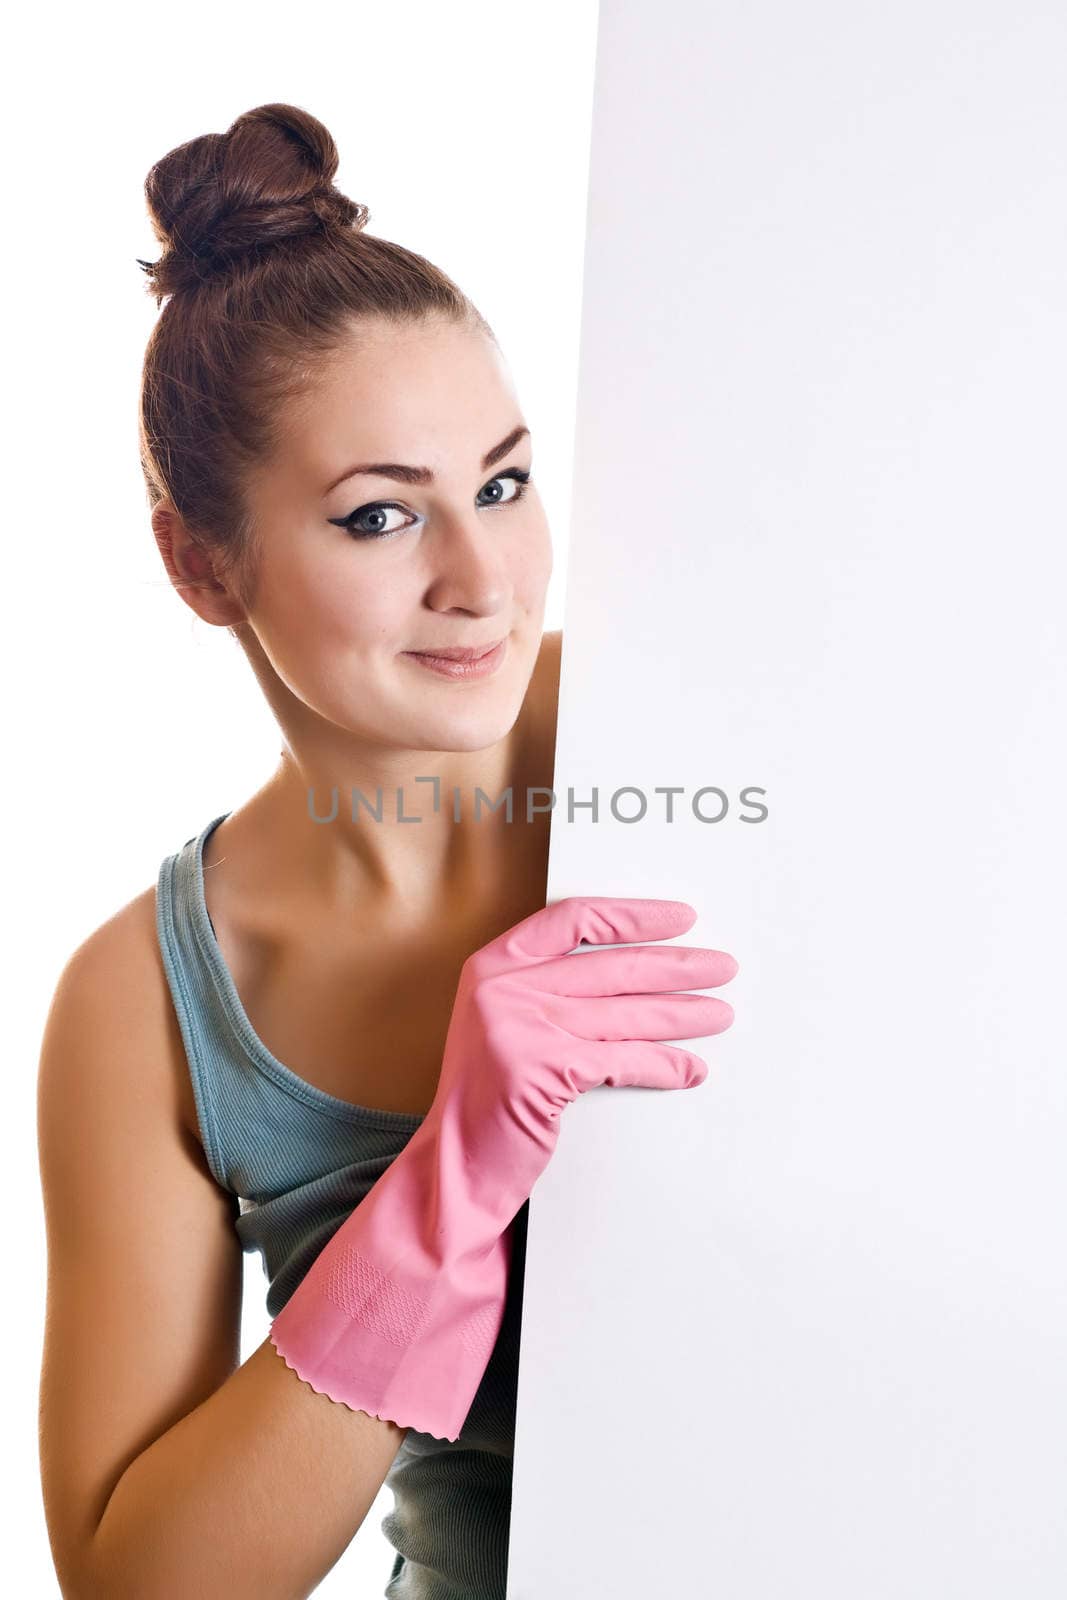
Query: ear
[[191, 569]]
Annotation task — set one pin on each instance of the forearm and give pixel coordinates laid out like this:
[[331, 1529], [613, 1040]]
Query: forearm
[[254, 1495]]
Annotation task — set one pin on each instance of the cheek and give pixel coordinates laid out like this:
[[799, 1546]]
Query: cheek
[[531, 564], [334, 601]]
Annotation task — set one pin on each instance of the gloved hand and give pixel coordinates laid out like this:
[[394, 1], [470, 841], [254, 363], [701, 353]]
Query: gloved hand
[[398, 1314]]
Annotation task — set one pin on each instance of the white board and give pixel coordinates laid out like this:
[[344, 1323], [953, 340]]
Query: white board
[[803, 1329]]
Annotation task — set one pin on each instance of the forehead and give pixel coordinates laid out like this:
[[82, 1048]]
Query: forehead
[[430, 394]]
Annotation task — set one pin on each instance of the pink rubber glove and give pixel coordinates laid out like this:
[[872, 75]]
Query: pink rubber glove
[[398, 1314]]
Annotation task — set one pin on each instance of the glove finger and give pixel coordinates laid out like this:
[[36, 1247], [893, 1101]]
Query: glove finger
[[639, 1016], [630, 1064], [591, 919], [641, 969]]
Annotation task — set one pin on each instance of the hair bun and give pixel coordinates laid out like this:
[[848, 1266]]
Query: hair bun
[[269, 178]]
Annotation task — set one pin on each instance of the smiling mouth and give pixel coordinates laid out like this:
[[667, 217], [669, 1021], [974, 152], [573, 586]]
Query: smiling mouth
[[464, 653]]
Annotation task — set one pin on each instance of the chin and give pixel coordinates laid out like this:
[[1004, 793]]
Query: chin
[[470, 726], [466, 735]]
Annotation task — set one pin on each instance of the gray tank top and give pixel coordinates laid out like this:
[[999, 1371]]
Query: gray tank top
[[299, 1160]]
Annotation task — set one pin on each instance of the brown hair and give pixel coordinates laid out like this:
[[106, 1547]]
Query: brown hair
[[265, 264]]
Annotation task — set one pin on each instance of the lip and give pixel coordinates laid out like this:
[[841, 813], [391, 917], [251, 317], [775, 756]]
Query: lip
[[467, 661], [458, 652]]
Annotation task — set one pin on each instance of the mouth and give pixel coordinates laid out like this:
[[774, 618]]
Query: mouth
[[459, 653], [462, 661]]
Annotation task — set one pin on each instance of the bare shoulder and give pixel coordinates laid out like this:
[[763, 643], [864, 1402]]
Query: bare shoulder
[[552, 648], [544, 685], [115, 983]]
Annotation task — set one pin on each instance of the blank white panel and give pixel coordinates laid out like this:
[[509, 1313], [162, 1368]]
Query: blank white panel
[[802, 1329]]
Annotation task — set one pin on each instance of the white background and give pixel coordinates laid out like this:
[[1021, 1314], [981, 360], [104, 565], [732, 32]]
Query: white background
[[801, 1331], [464, 127]]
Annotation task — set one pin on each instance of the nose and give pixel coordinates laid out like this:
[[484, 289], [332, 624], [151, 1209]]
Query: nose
[[468, 565]]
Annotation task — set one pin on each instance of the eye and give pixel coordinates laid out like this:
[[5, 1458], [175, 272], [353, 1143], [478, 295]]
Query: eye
[[371, 521], [521, 479]]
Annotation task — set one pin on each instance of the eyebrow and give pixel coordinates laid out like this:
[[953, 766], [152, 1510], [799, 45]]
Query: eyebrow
[[402, 474]]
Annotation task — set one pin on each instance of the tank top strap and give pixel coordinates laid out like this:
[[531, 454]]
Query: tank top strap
[[196, 1003], [265, 1130]]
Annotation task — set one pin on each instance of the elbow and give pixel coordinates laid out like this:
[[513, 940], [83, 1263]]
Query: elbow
[[71, 1561], [148, 1572], [101, 1571]]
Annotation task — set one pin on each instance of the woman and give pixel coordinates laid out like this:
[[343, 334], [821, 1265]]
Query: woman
[[341, 1027]]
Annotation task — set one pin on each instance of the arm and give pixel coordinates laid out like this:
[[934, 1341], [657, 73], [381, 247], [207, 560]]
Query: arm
[[167, 1468]]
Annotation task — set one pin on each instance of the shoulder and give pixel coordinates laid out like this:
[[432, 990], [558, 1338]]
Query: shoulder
[[113, 988], [544, 685], [552, 647]]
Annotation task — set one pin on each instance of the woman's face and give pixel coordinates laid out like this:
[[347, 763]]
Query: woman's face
[[424, 547]]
